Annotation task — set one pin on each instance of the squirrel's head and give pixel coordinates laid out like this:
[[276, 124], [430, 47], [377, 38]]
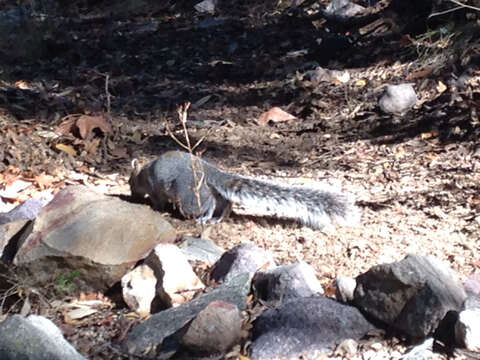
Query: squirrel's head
[[139, 185], [135, 166], [135, 171]]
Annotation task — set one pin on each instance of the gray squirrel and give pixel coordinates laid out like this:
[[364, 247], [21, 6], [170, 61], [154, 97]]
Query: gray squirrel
[[209, 195]]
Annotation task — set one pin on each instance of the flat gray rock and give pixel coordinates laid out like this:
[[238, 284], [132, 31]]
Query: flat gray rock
[[16, 223], [27, 210], [304, 325], [199, 249], [161, 332], [243, 258]]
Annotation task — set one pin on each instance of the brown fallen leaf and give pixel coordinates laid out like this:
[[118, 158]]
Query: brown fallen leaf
[[120, 152], [81, 313], [472, 200], [66, 148], [9, 176], [106, 321], [330, 289], [361, 83], [275, 115], [441, 87], [91, 146], [400, 152], [86, 124], [44, 181], [67, 319], [341, 78], [132, 315], [22, 84], [420, 74], [429, 134], [66, 126], [13, 189]]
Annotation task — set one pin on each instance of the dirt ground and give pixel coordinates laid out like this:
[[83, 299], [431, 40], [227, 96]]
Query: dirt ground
[[416, 177]]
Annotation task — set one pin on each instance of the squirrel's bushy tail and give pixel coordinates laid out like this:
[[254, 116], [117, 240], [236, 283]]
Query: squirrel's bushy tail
[[315, 206]]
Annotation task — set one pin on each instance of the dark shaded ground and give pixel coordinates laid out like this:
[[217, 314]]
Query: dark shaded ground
[[417, 177]]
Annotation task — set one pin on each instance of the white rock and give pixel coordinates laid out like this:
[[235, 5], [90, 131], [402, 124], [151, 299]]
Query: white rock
[[467, 329], [139, 288], [206, 6], [345, 288], [398, 99], [421, 351], [177, 282], [343, 9], [347, 348]]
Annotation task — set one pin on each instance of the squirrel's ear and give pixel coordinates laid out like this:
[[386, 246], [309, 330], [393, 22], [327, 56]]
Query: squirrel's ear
[[135, 166]]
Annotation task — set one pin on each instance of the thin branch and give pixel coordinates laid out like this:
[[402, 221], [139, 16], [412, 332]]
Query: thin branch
[[465, 5], [197, 168], [445, 12], [460, 6], [172, 135]]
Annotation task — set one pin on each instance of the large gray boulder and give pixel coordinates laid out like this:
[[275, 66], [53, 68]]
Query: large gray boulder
[[34, 338], [412, 295], [97, 237]]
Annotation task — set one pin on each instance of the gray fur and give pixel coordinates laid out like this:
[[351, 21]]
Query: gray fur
[[170, 179]]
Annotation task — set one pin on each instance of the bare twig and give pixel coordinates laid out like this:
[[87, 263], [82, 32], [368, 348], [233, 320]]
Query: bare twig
[[182, 116], [109, 97], [109, 117], [465, 5], [445, 11], [196, 165], [209, 131], [460, 6], [185, 130], [108, 110], [172, 135]]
